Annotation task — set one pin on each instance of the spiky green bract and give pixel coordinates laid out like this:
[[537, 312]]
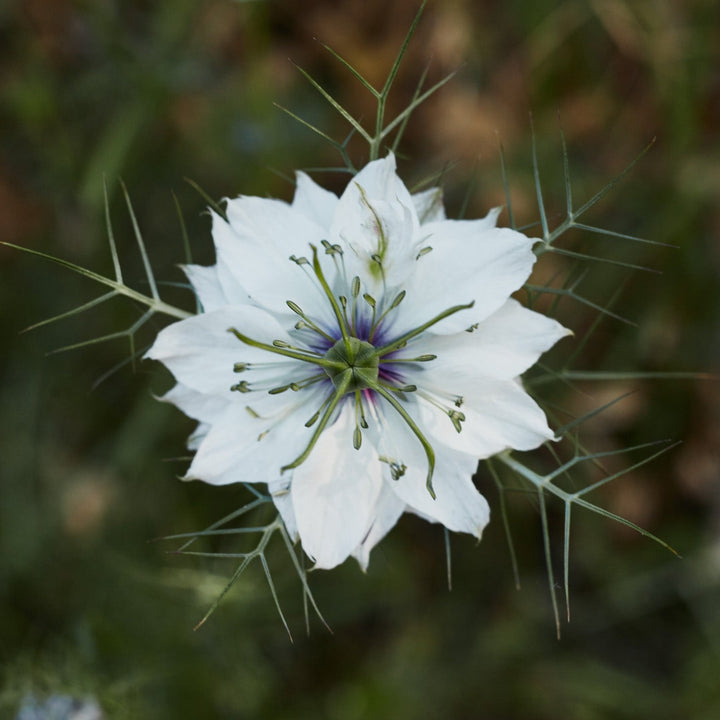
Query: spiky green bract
[[520, 471], [383, 130], [259, 553], [118, 288]]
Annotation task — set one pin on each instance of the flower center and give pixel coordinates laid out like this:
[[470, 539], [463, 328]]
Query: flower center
[[353, 365], [357, 357]]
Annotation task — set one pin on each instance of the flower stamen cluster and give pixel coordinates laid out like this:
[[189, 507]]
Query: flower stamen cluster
[[352, 363]]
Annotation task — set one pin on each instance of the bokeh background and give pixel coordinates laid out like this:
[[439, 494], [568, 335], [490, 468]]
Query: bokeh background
[[154, 92]]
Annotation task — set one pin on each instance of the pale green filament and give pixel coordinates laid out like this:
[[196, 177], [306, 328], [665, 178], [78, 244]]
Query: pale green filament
[[379, 256], [402, 340], [299, 354], [340, 390], [308, 322], [333, 302], [427, 447]]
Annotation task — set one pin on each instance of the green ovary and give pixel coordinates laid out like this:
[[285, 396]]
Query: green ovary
[[356, 356]]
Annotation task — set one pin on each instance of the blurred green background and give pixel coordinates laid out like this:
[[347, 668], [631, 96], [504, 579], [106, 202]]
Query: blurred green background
[[157, 91]]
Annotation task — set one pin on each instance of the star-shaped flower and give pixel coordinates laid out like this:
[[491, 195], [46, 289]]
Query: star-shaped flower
[[359, 355]]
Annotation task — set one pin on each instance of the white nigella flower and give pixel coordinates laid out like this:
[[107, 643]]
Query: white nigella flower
[[359, 355]]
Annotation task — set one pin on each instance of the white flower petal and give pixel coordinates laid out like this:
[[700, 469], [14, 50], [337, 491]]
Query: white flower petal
[[313, 201], [458, 505], [272, 224], [429, 205], [194, 441], [383, 247], [201, 352], [498, 415], [199, 406], [486, 223], [469, 262], [256, 246], [387, 512], [376, 223], [379, 181], [335, 492], [502, 347], [218, 459], [206, 285], [242, 447]]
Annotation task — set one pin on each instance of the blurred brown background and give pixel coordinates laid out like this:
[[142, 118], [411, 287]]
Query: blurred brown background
[[157, 91]]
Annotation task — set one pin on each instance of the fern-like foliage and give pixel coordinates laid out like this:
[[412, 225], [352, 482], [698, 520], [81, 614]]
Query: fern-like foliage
[[152, 303], [380, 136], [518, 474], [264, 535]]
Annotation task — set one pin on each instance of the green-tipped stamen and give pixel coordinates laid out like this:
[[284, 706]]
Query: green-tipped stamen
[[375, 323], [340, 391], [308, 322], [402, 340], [420, 358], [427, 447], [353, 366], [333, 302], [299, 354]]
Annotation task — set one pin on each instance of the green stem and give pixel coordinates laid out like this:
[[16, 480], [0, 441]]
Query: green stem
[[154, 304]]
